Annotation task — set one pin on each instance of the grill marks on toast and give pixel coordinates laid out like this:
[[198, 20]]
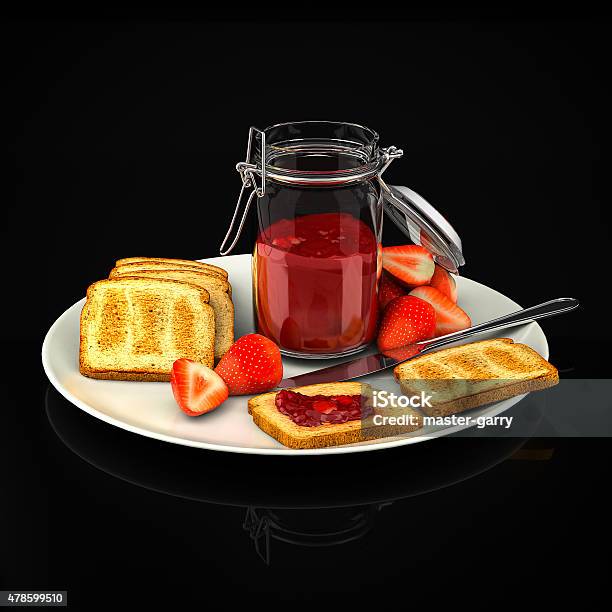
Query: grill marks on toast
[[183, 318], [476, 374], [218, 288], [135, 328], [480, 360], [112, 316], [515, 364], [149, 310]]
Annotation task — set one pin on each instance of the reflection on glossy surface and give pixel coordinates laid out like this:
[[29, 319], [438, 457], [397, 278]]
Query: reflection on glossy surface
[[303, 501]]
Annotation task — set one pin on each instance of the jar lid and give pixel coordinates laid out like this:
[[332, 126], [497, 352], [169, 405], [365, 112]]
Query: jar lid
[[424, 225]]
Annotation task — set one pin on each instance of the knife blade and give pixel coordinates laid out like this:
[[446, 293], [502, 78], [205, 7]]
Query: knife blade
[[342, 371]]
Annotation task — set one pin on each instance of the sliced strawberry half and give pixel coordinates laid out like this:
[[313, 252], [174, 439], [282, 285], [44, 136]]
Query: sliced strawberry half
[[388, 290], [444, 283], [407, 319], [412, 264], [197, 389], [449, 317], [251, 365]]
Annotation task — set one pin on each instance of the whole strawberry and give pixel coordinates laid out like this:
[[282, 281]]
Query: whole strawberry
[[407, 319], [388, 290], [251, 365]]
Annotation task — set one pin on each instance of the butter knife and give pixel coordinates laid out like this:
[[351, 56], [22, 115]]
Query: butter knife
[[369, 364]]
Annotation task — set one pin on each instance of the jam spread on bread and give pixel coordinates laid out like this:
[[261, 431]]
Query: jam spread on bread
[[314, 410], [316, 283]]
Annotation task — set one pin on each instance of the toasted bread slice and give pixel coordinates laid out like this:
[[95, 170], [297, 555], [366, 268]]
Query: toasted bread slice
[[217, 287], [183, 263], [135, 328], [268, 418], [465, 377], [167, 264]]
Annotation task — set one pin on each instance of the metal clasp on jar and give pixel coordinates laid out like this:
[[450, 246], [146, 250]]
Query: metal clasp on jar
[[390, 153], [247, 170]]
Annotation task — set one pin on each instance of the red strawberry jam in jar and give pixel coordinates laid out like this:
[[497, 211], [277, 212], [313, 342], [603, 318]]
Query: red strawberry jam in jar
[[316, 283], [317, 258]]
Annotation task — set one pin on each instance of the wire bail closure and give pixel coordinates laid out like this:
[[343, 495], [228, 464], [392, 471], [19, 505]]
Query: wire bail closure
[[247, 171], [389, 154]]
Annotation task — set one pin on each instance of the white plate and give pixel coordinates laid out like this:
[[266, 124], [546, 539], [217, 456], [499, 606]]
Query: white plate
[[149, 408]]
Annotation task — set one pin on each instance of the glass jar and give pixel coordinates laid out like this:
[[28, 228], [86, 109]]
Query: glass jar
[[318, 255]]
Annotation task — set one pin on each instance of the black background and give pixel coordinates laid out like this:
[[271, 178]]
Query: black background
[[123, 136]]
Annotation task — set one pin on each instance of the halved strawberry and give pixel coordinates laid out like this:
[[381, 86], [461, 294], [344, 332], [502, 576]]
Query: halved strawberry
[[251, 365], [388, 290], [449, 317], [412, 264], [444, 283], [197, 389], [407, 319]]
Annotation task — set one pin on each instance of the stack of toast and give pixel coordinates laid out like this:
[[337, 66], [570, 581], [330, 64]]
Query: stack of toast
[[152, 311]]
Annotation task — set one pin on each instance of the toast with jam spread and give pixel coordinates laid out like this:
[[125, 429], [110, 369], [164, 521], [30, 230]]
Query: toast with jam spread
[[267, 415]]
